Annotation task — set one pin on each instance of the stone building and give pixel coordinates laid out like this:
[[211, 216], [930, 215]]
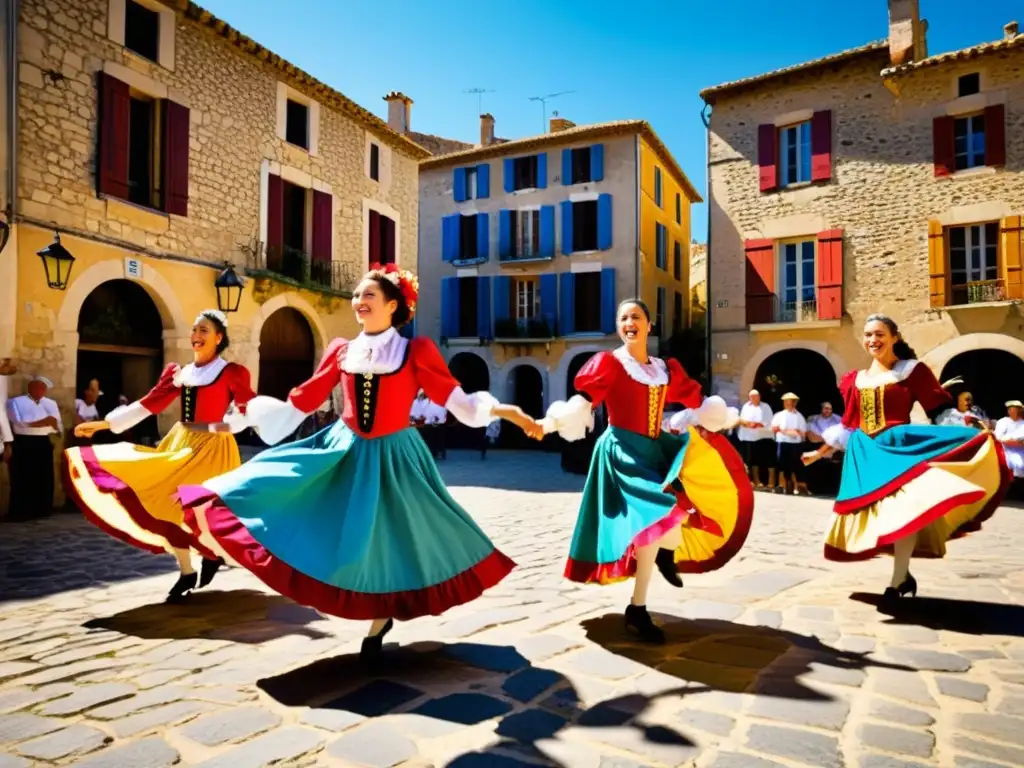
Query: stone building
[[698, 280], [527, 246], [878, 179], [161, 144]]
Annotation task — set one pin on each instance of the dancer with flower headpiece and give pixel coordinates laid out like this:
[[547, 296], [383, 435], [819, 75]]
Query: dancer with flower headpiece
[[128, 490], [355, 521]]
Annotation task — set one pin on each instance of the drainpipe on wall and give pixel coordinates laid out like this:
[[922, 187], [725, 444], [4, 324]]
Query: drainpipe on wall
[[705, 116]]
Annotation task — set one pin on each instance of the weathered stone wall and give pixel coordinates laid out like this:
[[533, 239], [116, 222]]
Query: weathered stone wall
[[883, 193]]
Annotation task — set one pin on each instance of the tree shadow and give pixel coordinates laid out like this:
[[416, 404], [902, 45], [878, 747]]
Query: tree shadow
[[240, 615], [969, 617]]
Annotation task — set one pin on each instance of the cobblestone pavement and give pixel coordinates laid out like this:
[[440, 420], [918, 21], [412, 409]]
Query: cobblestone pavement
[[779, 659]]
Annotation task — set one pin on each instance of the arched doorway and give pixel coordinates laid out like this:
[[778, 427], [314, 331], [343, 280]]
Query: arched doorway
[[526, 388], [287, 352], [993, 376], [806, 374], [120, 343], [473, 376]]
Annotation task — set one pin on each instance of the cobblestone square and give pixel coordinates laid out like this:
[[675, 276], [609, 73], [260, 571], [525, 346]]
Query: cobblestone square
[[779, 659]]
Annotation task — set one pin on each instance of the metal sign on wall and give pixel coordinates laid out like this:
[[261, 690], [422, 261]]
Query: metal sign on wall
[[133, 268]]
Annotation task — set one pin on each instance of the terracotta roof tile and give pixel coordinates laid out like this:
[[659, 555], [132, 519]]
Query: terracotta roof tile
[[974, 51]]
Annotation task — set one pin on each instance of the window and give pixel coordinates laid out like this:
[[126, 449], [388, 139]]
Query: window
[[677, 312], [141, 30], [527, 299], [382, 238], [657, 186], [471, 193], [468, 238], [524, 173], [294, 217], [468, 288], [142, 134], [297, 124], [679, 208], [526, 226], [584, 226], [587, 297], [968, 85], [969, 140], [795, 153], [660, 245], [677, 260], [659, 315], [973, 259], [796, 282], [375, 162], [581, 166]]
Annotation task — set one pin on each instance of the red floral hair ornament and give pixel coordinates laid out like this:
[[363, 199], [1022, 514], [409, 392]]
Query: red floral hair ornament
[[403, 279]]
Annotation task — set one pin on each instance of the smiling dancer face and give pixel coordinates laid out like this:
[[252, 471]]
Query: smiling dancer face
[[634, 326], [209, 338], [378, 305]]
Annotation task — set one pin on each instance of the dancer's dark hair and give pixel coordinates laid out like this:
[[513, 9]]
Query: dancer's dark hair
[[900, 348]]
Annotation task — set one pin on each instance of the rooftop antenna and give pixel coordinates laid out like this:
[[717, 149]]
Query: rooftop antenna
[[479, 93], [544, 107]]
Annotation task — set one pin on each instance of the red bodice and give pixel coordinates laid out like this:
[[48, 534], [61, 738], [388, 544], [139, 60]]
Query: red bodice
[[877, 402], [204, 404], [378, 404], [631, 404]]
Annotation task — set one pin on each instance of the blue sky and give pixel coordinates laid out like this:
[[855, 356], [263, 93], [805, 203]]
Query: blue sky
[[622, 59]]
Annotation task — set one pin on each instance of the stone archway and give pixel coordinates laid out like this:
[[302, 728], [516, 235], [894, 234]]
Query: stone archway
[[287, 352], [293, 300], [525, 385], [471, 372], [992, 376], [804, 372], [765, 351], [939, 357]]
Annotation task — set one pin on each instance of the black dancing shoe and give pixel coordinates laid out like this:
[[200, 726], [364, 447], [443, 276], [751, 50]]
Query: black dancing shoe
[[209, 570], [892, 595], [186, 583], [373, 644], [665, 560], [639, 620]]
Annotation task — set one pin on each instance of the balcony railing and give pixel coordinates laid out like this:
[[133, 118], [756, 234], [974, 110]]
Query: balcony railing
[[795, 311], [528, 256], [977, 292], [534, 328], [296, 265]]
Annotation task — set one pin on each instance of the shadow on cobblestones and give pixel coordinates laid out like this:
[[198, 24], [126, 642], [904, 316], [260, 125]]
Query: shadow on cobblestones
[[969, 617], [241, 616]]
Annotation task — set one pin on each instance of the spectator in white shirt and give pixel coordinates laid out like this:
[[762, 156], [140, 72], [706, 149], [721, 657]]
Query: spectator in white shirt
[[436, 417], [85, 406], [7, 369], [817, 425], [790, 427], [1010, 432], [34, 418], [757, 442]]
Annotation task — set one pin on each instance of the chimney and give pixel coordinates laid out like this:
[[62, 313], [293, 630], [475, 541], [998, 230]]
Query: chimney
[[399, 109], [559, 123], [486, 129], [1011, 30], [906, 32]]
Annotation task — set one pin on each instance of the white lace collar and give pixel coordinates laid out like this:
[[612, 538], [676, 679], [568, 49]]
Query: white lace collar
[[192, 375], [900, 371], [377, 353], [654, 374]]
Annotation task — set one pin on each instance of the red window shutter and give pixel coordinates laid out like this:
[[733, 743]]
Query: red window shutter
[[388, 245], [322, 227], [995, 135], [760, 281], [175, 181], [821, 146], [375, 244], [115, 105], [767, 157], [830, 275], [275, 221], [944, 145]]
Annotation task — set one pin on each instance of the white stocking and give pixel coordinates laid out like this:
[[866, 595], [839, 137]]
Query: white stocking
[[902, 551], [184, 558]]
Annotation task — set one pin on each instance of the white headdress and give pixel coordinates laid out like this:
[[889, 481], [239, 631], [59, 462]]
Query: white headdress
[[214, 314]]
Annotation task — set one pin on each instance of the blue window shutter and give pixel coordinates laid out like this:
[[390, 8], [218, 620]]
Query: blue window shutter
[[566, 167], [447, 242], [547, 231], [660, 255], [566, 303], [567, 226], [608, 300], [542, 170], [597, 162], [483, 308], [604, 222], [549, 300], [459, 184], [502, 289], [483, 236], [449, 306], [509, 174], [483, 181], [504, 234]]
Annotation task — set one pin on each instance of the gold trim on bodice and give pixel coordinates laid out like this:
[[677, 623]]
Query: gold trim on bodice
[[872, 409], [655, 408]]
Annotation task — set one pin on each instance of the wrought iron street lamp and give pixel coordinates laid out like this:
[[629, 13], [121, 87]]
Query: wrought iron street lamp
[[57, 261], [229, 289]]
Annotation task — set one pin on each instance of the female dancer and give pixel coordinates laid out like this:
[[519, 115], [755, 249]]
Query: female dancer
[[128, 490], [906, 488], [355, 521], [681, 502]]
